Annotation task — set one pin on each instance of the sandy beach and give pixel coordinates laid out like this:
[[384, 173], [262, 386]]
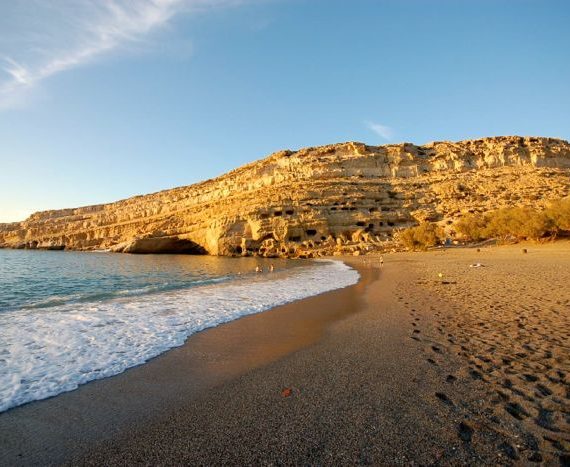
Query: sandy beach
[[425, 361]]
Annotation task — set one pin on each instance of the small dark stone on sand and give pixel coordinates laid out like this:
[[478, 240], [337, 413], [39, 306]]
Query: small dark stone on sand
[[450, 379], [465, 432]]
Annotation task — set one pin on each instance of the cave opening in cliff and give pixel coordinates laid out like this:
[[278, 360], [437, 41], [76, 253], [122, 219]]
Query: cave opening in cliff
[[166, 245], [187, 247]]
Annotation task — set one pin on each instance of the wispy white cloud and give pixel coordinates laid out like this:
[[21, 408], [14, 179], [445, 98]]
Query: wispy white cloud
[[39, 39], [383, 131]]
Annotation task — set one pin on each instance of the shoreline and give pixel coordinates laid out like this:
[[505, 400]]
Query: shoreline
[[403, 367], [109, 332], [100, 409]]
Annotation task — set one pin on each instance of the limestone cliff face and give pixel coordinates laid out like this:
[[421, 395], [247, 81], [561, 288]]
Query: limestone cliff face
[[346, 198]]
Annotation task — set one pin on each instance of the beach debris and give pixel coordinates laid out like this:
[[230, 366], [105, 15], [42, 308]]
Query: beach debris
[[441, 281], [286, 392], [476, 265]]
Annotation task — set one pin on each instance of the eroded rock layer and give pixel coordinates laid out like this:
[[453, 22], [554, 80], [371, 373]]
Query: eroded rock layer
[[341, 198]]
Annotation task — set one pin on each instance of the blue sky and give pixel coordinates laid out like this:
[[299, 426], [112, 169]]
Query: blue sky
[[105, 99]]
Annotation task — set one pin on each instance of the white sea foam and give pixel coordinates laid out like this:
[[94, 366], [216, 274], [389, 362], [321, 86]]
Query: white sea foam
[[46, 352]]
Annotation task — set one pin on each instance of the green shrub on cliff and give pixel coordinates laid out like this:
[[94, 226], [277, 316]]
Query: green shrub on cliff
[[421, 237]]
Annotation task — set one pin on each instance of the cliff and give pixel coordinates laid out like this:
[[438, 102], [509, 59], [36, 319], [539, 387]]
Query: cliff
[[340, 198]]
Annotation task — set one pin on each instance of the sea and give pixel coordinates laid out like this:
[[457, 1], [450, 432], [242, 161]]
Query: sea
[[67, 318]]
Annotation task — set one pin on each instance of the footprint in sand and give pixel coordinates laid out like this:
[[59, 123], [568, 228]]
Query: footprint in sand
[[504, 396], [516, 410], [509, 450], [443, 398], [535, 457], [544, 420], [543, 390], [475, 374], [465, 432]]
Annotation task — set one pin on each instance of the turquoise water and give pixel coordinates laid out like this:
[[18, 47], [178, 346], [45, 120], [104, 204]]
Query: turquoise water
[[42, 279], [68, 318]]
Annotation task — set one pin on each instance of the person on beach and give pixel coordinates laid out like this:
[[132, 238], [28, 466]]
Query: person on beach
[[381, 260], [271, 268], [258, 269]]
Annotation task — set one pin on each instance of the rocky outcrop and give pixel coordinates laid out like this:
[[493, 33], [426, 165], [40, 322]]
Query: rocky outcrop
[[341, 198]]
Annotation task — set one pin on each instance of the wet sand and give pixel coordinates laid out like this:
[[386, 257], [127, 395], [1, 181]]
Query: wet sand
[[405, 367], [58, 429]]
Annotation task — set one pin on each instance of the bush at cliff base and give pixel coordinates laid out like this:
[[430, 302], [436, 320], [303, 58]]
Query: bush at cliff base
[[421, 237], [559, 212], [519, 223]]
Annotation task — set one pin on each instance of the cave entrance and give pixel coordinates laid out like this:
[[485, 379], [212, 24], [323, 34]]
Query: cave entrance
[[166, 245]]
